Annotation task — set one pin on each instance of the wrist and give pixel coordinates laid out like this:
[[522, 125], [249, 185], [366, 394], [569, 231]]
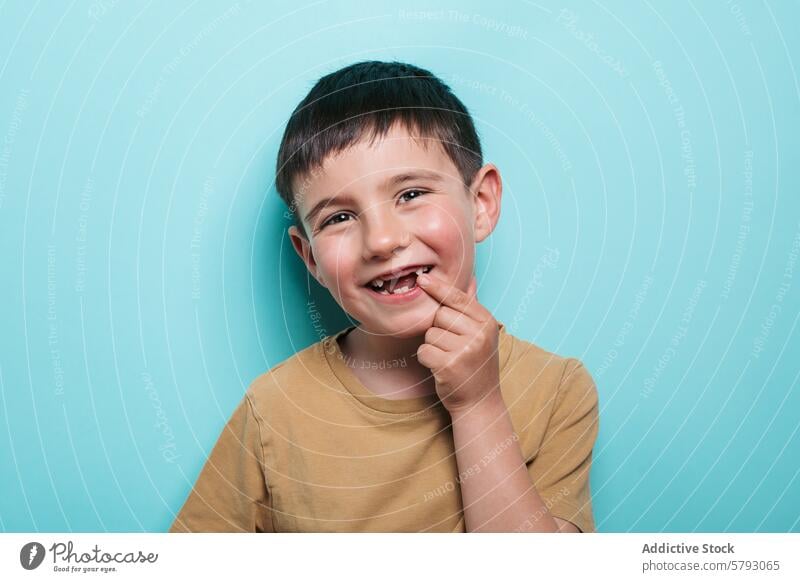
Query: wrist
[[489, 407]]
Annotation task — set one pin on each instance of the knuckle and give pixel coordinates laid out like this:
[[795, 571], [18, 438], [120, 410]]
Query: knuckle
[[422, 354]]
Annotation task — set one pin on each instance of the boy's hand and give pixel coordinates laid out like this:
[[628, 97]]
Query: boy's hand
[[461, 346]]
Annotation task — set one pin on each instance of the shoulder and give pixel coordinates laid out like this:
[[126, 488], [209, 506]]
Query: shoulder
[[291, 379], [544, 379], [532, 361], [546, 393]]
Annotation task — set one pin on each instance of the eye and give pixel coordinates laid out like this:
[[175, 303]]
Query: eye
[[407, 192], [332, 221]]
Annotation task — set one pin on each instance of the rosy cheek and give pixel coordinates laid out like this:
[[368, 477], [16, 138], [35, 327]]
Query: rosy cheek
[[335, 263], [446, 231], [443, 229]]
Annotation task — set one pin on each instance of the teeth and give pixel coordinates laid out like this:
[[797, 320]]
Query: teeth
[[378, 283], [397, 291]]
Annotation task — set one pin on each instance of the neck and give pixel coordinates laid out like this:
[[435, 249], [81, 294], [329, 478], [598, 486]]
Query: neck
[[395, 358]]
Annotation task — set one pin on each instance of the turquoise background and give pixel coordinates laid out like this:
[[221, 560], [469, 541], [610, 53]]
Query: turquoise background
[[147, 277]]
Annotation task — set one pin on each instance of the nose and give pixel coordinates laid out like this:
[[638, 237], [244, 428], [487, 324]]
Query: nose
[[384, 232]]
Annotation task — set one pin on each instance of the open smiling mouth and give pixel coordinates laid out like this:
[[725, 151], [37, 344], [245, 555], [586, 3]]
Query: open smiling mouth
[[397, 285]]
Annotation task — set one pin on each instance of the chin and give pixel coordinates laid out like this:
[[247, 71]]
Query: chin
[[409, 326], [400, 326]]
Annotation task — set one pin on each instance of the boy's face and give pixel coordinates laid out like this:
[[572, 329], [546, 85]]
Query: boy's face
[[401, 203]]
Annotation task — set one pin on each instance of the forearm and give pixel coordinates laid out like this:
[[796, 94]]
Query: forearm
[[497, 492]]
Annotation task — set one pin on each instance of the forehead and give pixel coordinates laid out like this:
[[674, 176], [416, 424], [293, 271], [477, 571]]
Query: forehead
[[365, 164]]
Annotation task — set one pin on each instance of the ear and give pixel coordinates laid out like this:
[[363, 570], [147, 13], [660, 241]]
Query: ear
[[303, 248], [487, 193]]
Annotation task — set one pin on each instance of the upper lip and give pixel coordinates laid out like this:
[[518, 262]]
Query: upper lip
[[399, 272]]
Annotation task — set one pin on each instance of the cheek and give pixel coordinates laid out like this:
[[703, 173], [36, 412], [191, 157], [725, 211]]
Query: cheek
[[446, 230], [335, 263]]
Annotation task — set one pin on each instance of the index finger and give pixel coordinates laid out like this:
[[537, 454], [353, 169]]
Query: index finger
[[447, 294]]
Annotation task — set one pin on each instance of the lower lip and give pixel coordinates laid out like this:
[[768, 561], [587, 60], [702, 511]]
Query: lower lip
[[396, 299]]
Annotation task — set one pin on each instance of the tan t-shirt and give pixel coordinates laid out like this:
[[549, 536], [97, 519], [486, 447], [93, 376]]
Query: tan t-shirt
[[311, 449]]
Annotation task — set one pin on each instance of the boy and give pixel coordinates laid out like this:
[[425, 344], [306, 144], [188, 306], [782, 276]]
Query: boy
[[427, 416]]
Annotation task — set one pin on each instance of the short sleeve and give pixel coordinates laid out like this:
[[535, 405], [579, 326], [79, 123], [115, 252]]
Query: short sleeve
[[560, 469], [230, 494]]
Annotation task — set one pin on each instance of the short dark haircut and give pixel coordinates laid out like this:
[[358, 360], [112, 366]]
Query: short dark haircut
[[371, 96]]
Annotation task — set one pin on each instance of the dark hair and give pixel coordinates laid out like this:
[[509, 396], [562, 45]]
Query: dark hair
[[371, 96]]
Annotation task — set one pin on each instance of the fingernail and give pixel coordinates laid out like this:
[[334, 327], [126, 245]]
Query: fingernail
[[423, 279]]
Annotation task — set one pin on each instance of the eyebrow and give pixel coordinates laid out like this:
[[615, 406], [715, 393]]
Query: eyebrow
[[391, 182]]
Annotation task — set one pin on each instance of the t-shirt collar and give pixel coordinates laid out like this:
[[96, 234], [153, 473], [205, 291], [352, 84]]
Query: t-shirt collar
[[347, 378]]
